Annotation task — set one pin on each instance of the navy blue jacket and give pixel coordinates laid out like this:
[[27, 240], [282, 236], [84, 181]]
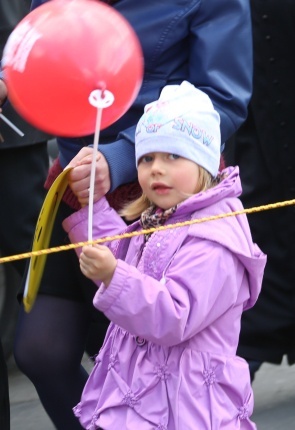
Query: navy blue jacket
[[206, 42]]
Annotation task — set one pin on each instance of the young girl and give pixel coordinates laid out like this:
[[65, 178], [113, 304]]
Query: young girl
[[174, 297], [179, 42]]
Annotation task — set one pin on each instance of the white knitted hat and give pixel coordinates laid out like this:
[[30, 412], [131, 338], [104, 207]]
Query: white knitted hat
[[184, 122]]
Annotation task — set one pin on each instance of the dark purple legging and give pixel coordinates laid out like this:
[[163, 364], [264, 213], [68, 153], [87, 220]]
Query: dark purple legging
[[53, 365]]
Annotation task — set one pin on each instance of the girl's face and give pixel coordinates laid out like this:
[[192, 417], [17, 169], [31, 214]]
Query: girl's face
[[167, 179]]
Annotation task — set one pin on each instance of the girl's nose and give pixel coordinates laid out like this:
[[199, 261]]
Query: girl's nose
[[157, 166]]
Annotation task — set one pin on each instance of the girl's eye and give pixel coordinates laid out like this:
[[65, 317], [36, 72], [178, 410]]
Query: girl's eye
[[145, 159], [174, 156]]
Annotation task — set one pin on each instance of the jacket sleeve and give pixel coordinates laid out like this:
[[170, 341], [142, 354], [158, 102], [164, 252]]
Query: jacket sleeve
[[221, 60], [36, 3], [220, 64], [106, 222], [190, 296], [120, 156]]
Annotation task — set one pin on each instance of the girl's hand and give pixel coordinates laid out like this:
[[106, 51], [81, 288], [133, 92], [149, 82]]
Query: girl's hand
[[98, 263], [79, 176]]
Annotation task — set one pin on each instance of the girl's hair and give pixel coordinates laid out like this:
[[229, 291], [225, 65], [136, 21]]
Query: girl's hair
[[134, 209]]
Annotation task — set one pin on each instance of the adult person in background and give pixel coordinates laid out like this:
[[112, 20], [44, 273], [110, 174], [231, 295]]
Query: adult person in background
[[24, 159], [23, 169], [4, 394], [265, 151], [206, 42]]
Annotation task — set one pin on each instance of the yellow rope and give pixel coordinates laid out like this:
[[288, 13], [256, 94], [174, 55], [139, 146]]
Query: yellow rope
[[146, 231]]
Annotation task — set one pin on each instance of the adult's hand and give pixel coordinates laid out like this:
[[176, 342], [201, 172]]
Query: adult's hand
[[79, 177], [3, 92]]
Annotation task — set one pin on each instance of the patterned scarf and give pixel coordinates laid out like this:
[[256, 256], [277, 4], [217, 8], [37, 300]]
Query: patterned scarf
[[155, 217]]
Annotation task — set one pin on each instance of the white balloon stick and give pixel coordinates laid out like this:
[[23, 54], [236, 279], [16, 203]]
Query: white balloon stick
[[99, 99], [14, 127]]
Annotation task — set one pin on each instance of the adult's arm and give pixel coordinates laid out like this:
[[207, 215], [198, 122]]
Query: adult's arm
[[221, 60], [220, 63]]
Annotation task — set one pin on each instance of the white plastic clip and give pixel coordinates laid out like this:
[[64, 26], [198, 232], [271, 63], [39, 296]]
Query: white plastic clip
[[101, 98]]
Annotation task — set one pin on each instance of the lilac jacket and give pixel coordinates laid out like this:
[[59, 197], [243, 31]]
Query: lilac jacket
[[169, 357]]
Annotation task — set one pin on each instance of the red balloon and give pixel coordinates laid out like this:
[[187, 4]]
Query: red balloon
[[61, 52]]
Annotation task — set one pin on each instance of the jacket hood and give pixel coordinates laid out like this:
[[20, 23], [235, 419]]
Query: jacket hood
[[229, 187], [232, 232]]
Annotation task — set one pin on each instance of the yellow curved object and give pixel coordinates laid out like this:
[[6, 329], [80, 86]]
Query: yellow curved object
[[42, 237]]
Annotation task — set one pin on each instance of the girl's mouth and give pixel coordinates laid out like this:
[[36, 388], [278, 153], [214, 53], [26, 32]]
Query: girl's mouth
[[161, 188]]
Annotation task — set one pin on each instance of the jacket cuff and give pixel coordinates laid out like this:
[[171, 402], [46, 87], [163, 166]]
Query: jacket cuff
[[73, 221], [120, 156], [106, 296]]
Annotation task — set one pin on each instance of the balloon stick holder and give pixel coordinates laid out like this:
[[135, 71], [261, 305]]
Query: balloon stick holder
[[100, 99]]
